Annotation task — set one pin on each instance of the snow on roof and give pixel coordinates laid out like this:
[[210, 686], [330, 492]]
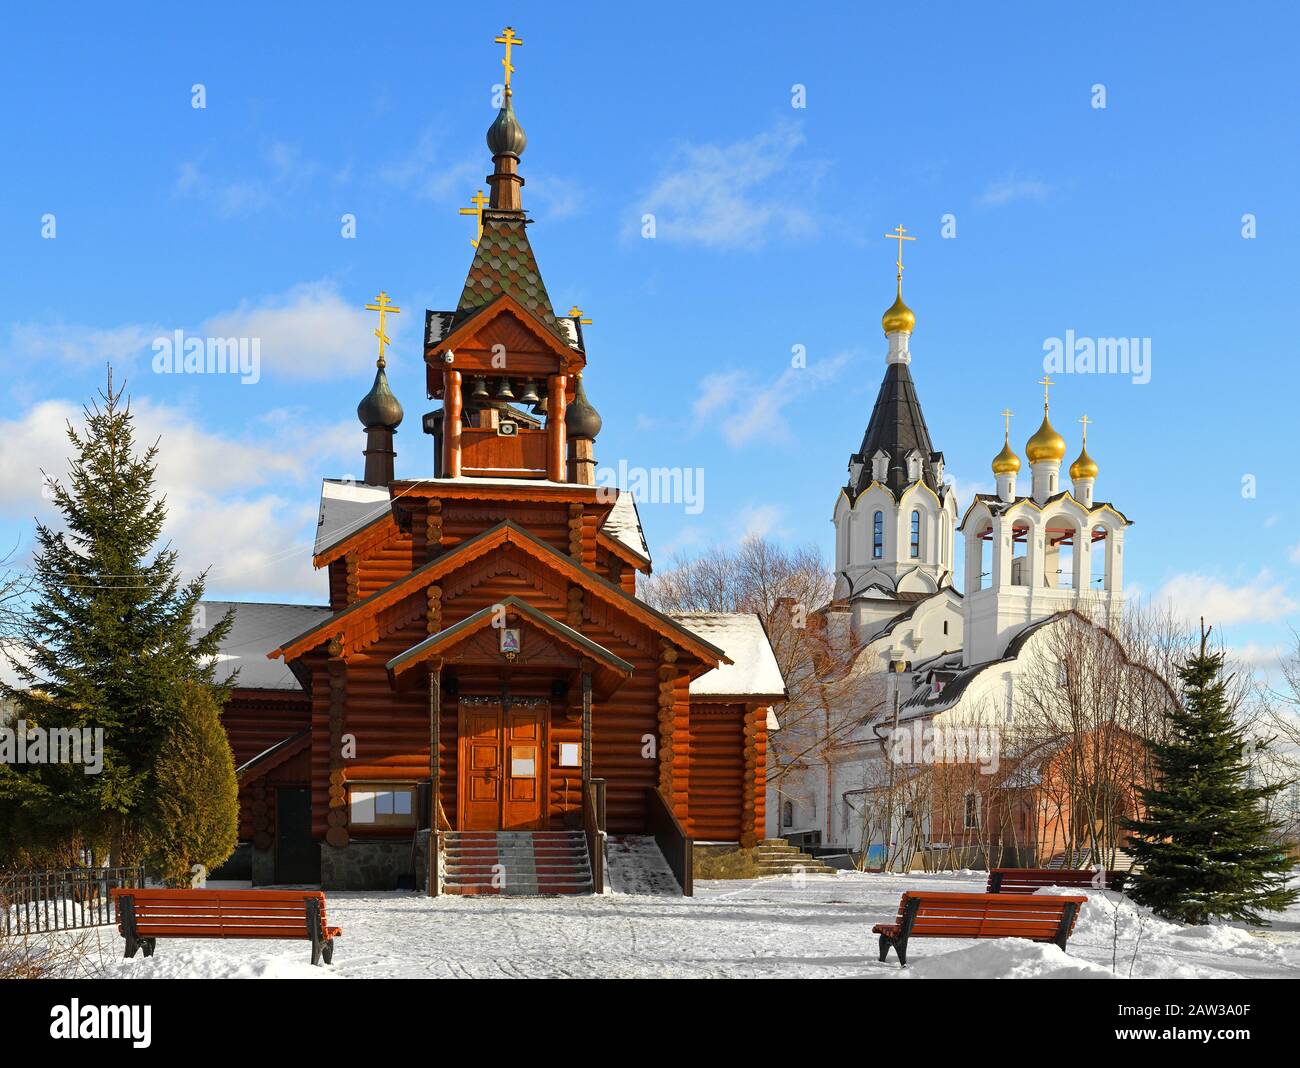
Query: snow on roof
[[623, 524], [258, 628], [742, 637], [346, 507]]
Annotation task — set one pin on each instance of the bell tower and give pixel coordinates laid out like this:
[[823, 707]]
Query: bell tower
[[895, 517]]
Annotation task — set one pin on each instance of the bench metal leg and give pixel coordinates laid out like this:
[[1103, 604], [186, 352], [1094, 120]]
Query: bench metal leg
[[900, 947], [884, 949], [314, 932], [329, 952], [1067, 922], [148, 944]]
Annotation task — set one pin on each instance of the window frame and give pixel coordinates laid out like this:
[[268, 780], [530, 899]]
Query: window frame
[[391, 820]]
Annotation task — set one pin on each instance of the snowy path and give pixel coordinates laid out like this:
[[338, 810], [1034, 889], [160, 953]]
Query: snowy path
[[820, 928]]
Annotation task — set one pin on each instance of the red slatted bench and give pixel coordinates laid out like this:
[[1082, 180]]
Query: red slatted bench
[[1027, 880], [144, 916], [922, 914]]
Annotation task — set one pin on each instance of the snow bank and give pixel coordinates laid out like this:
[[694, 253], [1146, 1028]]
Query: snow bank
[[222, 961], [1006, 958]]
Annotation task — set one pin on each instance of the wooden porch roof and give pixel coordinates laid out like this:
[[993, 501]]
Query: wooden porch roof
[[610, 669]]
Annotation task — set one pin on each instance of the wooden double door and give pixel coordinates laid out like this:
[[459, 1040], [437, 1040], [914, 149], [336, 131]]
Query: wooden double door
[[502, 765]]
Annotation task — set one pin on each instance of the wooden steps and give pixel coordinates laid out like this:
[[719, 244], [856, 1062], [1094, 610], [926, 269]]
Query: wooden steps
[[516, 863]]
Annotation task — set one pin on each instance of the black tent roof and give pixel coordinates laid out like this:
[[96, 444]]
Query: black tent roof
[[897, 427]]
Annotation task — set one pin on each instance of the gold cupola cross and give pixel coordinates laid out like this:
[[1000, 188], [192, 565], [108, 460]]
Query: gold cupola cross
[[508, 39], [384, 307], [480, 202], [1047, 384], [899, 234]]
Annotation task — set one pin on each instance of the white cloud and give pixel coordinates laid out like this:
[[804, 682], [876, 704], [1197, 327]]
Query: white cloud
[[227, 509], [1260, 599], [430, 173], [38, 343], [284, 170], [1011, 189], [554, 198], [734, 196], [745, 409], [758, 521], [308, 332]]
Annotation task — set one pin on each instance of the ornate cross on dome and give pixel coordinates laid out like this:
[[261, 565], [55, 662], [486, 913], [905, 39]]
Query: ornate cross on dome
[[576, 313], [384, 307], [508, 39], [1046, 383], [1085, 421], [899, 234], [1007, 413], [480, 202]]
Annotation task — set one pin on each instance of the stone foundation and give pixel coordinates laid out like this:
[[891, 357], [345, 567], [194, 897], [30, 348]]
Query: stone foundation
[[362, 865]]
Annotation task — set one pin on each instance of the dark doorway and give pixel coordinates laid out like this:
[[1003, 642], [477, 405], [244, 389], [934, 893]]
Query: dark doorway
[[297, 857]]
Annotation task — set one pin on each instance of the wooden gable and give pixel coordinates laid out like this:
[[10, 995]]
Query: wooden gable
[[531, 349]]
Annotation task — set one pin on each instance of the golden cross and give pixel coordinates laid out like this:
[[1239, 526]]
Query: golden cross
[[576, 313], [1046, 383], [479, 201], [508, 39], [1085, 421], [384, 307], [1007, 413], [899, 234]]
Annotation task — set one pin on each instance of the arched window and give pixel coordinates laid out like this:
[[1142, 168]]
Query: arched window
[[916, 535], [878, 536], [787, 814]]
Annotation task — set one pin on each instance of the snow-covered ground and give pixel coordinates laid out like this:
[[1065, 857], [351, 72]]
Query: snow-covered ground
[[817, 927]]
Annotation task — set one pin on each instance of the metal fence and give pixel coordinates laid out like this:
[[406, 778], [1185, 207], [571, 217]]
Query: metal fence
[[73, 898]]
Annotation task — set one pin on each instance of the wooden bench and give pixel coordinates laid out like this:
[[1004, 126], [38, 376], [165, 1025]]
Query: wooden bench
[[144, 916], [1027, 880], [922, 914]]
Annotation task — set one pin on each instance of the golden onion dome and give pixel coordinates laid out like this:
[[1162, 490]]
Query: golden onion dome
[[899, 317], [1084, 467], [1006, 462], [1046, 444]]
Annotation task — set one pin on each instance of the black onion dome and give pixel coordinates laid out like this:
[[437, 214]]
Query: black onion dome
[[581, 420], [505, 137], [379, 408]]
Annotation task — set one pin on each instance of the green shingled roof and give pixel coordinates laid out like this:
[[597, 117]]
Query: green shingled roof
[[504, 263]]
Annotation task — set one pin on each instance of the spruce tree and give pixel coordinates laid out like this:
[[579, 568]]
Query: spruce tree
[[1206, 845], [109, 642], [195, 816]]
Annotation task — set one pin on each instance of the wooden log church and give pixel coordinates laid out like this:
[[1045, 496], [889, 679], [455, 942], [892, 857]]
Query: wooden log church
[[485, 705]]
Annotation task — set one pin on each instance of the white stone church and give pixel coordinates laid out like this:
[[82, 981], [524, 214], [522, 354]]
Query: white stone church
[[925, 650]]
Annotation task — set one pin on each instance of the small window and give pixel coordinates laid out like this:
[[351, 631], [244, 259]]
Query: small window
[[1062, 673], [787, 814], [972, 812], [878, 536], [916, 535], [382, 805], [945, 626]]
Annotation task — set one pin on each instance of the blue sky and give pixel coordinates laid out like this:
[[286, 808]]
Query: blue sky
[[1122, 221]]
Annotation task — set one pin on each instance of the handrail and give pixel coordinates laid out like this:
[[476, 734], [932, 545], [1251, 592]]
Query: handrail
[[593, 823], [671, 838]]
